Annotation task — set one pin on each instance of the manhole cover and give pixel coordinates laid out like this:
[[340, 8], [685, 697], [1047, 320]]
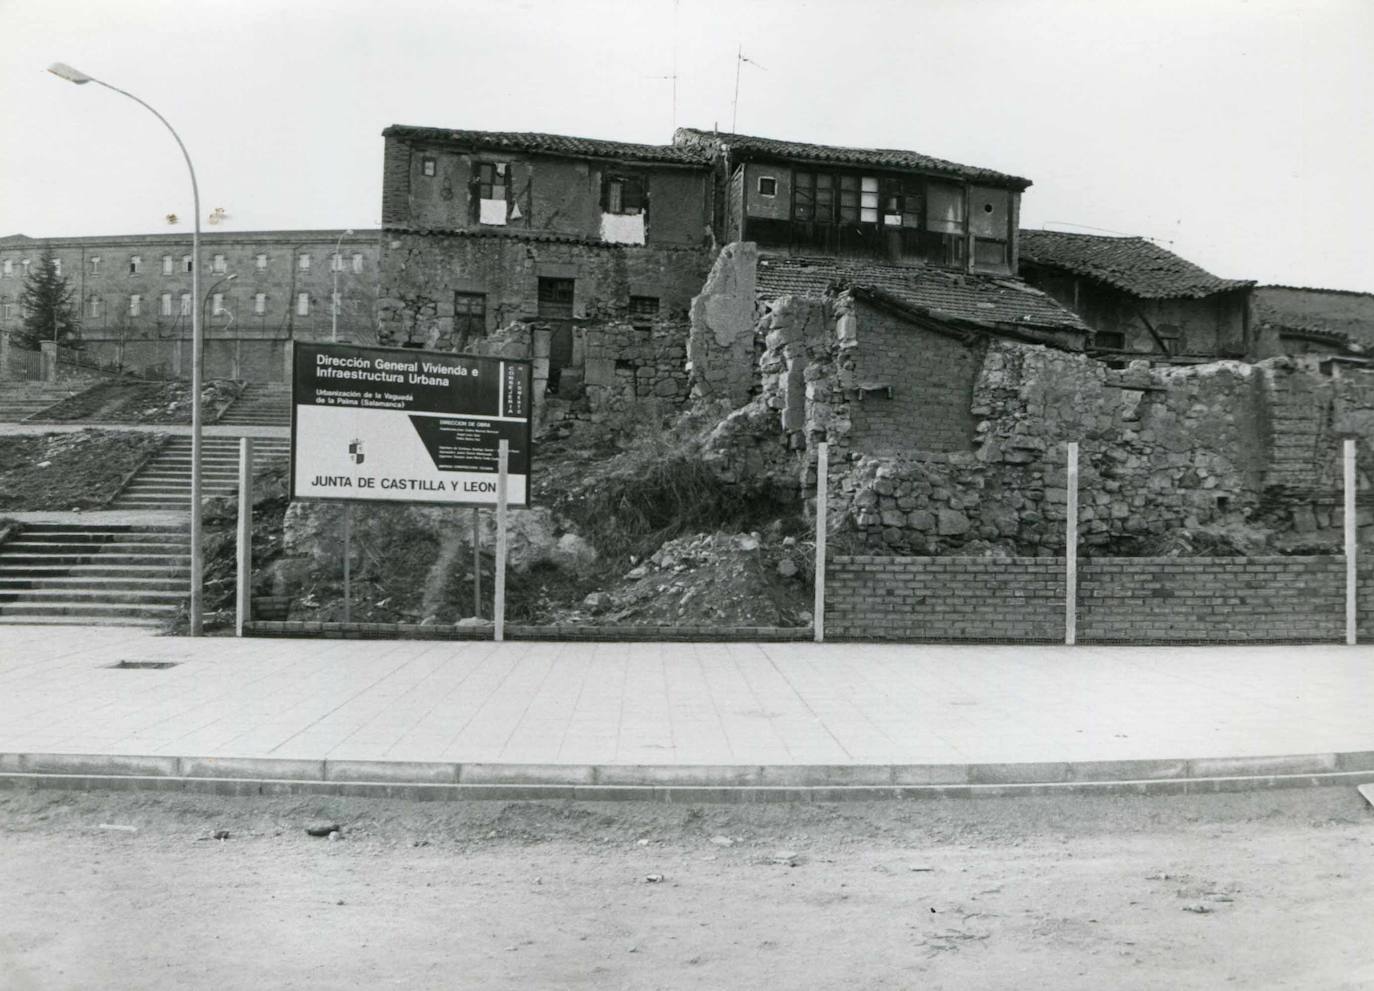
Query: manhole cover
[[149, 665]]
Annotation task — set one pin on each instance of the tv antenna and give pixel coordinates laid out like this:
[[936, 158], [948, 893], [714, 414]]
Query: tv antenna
[[739, 64], [673, 75]]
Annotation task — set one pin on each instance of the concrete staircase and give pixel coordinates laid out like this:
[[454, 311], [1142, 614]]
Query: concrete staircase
[[165, 481], [110, 575], [21, 400], [260, 406]]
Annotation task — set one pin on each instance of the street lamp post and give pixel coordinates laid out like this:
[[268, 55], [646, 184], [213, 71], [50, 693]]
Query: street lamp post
[[66, 72], [337, 264]]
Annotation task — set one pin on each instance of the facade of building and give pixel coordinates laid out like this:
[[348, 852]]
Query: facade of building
[[260, 291], [482, 229], [1300, 320], [897, 206], [1140, 299]]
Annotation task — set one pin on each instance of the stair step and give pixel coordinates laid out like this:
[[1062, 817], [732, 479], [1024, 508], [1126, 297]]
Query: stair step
[[94, 571], [25, 619], [115, 583], [70, 608], [101, 596], [40, 547]]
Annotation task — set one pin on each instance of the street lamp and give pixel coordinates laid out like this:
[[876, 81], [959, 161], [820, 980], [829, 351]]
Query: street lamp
[[211, 291], [64, 71], [337, 265]]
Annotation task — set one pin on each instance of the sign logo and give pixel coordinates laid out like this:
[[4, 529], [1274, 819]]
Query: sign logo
[[355, 451]]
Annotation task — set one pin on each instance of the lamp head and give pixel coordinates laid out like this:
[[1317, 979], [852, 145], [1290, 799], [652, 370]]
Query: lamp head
[[230, 278], [63, 71]]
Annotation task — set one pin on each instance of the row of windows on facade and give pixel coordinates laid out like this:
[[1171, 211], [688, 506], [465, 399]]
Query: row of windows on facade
[[95, 305], [493, 201], [219, 263]]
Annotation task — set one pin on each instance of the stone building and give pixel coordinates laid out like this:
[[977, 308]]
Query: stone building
[[1140, 299], [134, 293], [483, 229]]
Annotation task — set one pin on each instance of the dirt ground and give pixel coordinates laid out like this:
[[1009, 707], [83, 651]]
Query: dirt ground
[[1261, 890]]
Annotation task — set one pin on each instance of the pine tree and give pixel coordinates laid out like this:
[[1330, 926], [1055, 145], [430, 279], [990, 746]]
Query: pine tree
[[49, 310]]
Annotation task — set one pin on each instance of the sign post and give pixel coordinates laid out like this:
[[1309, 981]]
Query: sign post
[[1071, 547], [244, 586], [401, 426], [1351, 576], [822, 510]]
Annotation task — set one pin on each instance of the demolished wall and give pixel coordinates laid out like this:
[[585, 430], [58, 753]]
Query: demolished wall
[[1221, 446]]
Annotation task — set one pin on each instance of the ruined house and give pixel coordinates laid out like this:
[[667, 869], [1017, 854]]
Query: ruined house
[[483, 229], [1139, 298]]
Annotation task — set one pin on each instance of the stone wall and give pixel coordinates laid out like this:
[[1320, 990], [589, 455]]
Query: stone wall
[[721, 348], [625, 363], [1125, 600], [421, 273]]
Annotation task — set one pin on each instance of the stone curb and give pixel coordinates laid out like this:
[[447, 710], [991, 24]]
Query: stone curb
[[588, 780], [671, 794], [595, 633]]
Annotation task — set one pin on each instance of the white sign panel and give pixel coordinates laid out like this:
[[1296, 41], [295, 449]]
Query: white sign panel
[[395, 425]]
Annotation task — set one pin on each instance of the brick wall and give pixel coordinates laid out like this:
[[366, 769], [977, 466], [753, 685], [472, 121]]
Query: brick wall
[[1119, 599], [931, 377], [945, 598], [1224, 599]]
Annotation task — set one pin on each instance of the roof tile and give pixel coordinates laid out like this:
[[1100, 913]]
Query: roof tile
[[981, 298], [1132, 264], [552, 144]]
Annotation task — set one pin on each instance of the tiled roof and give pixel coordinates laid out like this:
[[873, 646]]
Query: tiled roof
[[1132, 264], [551, 144], [891, 158], [980, 298]]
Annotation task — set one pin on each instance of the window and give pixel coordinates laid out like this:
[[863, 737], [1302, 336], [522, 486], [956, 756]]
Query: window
[[166, 264], [556, 298], [303, 304], [8, 310], [260, 303], [93, 307], [623, 194], [135, 264], [303, 262], [187, 263], [490, 193], [813, 197], [768, 185], [261, 262], [166, 304], [217, 304], [469, 318], [95, 265], [25, 264], [428, 166], [643, 311], [1112, 340], [357, 263], [219, 264], [185, 304], [9, 268], [334, 303], [336, 262], [135, 305]]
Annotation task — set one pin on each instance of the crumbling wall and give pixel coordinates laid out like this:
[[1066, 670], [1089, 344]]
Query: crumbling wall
[[720, 350], [624, 363]]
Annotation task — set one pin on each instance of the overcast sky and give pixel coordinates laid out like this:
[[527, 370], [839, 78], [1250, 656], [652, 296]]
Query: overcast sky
[[1238, 133]]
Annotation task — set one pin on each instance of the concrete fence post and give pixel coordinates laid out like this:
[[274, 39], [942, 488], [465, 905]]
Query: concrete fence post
[[243, 614], [348, 562], [476, 562], [499, 593], [1351, 578], [1071, 547], [822, 510]]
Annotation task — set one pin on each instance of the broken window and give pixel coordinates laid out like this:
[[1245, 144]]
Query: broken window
[[623, 195], [491, 193], [469, 318], [428, 166], [643, 311], [768, 185]]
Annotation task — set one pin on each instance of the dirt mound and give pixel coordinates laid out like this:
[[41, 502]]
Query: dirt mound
[[133, 401], [713, 579]]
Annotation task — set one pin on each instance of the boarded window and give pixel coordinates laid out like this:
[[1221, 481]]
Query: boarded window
[[643, 311], [623, 194], [469, 318]]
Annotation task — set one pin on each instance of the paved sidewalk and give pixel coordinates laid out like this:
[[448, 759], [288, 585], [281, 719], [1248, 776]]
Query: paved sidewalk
[[637, 704]]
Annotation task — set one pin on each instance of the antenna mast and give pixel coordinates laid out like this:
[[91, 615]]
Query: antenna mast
[[739, 64]]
